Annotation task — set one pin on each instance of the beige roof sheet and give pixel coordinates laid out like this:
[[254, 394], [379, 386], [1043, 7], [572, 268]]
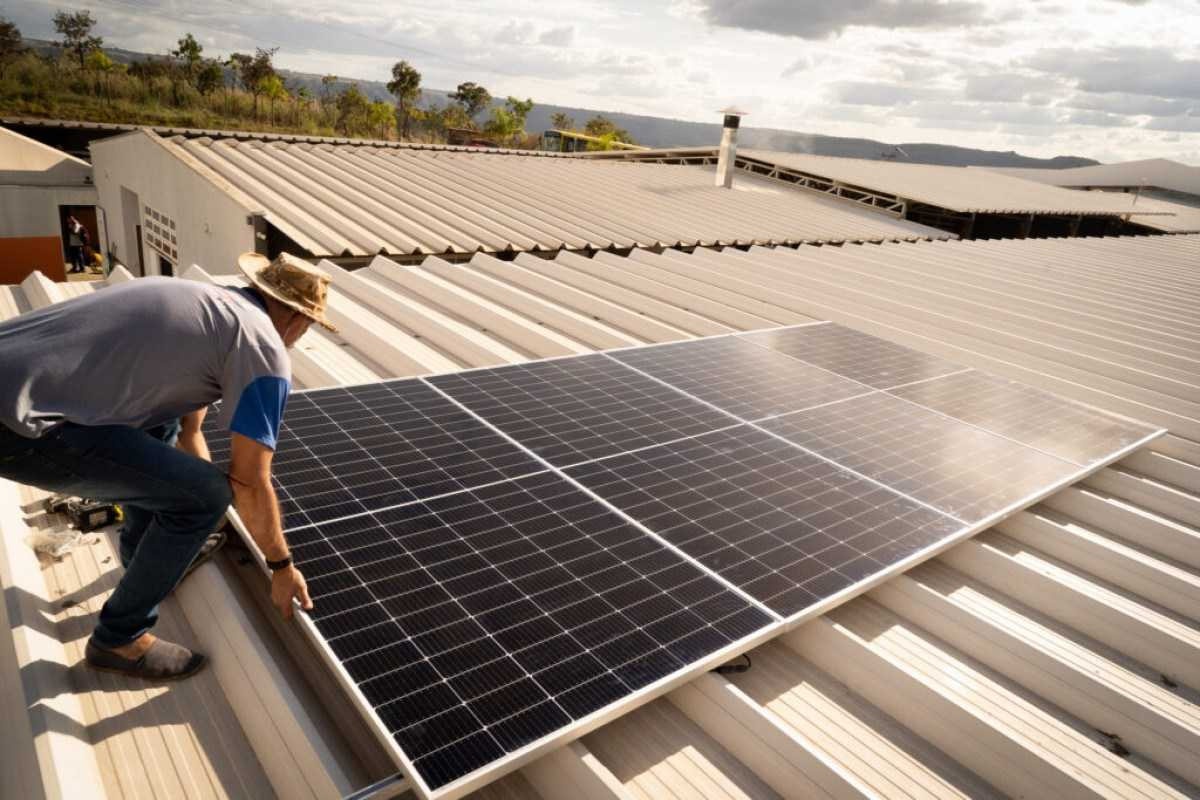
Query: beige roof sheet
[[364, 200], [956, 188], [1159, 172], [1077, 616]]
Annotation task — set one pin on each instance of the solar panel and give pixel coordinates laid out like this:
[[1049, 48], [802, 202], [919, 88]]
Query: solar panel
[[571, 410], [500, 555], [859, 356], [1034, 418], [740, 377], [954, 467], [787, 527], [478, 622], [344, 451]]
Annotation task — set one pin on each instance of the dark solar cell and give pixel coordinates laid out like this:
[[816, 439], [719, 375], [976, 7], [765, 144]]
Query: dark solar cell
[[576, 409], [958, 469], [1030, 416], [875, 362], [739, 377], [788, 528], [477, 622], [348, 450]]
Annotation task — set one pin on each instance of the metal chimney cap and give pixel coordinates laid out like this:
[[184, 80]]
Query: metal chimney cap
[[733, 112]]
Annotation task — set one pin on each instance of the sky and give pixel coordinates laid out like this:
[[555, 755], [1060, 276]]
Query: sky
[[1113, 80]]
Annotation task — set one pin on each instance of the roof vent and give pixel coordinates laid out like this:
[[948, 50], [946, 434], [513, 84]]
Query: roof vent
[[728, 153]]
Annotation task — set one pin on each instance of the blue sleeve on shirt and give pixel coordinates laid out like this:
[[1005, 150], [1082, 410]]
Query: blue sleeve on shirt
[[259, 411]]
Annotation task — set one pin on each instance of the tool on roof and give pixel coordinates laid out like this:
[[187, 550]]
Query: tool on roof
[[82, 514]]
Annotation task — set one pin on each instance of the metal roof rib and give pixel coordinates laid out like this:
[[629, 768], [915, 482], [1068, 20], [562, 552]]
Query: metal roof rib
[[360, 200], [1023, 661]]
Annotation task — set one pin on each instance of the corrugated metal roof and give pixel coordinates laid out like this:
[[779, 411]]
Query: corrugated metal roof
[[1174, 217], [117, 128], [958, 189], [1023, 662], [363, 200], [1157, 172], [955, 188]]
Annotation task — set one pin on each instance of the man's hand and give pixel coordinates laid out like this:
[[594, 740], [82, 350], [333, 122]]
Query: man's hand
[[288, 584], [254, 498]]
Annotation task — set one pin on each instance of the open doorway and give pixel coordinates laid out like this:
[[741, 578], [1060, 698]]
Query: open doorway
[[86, 244], [132, 256]]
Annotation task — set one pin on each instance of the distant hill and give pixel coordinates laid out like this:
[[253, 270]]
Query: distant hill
[[665, 132]]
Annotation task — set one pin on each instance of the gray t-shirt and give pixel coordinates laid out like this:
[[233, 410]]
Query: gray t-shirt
[[143, 353]]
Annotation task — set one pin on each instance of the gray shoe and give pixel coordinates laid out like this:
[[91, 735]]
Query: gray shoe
[[164, 661]]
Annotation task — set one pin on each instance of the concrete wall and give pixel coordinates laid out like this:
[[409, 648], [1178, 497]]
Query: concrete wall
[[31, 229], [35, 181], [211, 226]]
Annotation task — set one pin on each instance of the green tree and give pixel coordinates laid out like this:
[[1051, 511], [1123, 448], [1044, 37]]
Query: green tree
[[519, 109], [272, 88], [328, 98], [353, 111], [472, 98], [10, 43], [381, 119], [99, 62], [188, 53], [501, 125], [304, 98], [507, 124], [253, 71], [328, 82], [453, 116], [210, 77], [602, 126], [561, 121], [76, 32], [406, 86]]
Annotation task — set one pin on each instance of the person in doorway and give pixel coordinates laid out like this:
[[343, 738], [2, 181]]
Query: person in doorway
[[76, 234], [123, 424]]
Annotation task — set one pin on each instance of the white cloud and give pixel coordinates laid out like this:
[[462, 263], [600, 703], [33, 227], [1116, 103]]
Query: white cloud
[[561, 36]]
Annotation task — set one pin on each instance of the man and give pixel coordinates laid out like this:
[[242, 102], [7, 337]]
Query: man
[[94, 393], [75, 237]]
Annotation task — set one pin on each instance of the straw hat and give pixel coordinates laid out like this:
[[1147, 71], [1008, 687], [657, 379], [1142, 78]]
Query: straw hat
[[289, 280]]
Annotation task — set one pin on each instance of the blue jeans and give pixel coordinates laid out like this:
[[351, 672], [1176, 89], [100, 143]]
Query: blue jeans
[[172, 502]]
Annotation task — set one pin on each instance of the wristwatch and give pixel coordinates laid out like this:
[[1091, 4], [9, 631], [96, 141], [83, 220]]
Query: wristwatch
[[275, 566]]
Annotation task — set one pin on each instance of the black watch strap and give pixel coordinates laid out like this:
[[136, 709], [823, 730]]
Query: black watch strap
[[274, 566]]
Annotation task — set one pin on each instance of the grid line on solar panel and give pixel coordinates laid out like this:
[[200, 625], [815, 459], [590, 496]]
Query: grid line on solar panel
[[789, 527], [571, 410], [1026, 415], [858, 356], [739, 377], [959, 469], [524, 605], [345, 451]]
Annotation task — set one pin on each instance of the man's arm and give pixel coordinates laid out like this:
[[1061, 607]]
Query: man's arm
[[254, 499], [191, 438]]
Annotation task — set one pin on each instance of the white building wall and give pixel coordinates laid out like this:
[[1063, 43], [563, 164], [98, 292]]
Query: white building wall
[[211, 227], [33, 210]]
